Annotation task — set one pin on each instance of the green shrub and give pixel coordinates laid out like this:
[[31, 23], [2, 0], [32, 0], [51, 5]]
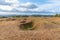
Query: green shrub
[[57, 15], [27, 26]]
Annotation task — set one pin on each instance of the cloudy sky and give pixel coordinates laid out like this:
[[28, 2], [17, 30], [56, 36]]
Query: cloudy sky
[[18, 6]]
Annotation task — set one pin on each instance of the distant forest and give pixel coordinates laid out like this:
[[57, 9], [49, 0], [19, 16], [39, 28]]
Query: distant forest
[[56, 15]]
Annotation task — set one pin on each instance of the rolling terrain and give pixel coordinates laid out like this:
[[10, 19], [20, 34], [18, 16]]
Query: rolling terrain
[[46, 28]]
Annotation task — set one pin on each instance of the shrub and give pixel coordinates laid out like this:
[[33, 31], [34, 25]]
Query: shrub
[[57, 15], [27, 26], [54, 22]]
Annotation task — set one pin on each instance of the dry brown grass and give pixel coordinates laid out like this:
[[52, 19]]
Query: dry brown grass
[[46, 29]]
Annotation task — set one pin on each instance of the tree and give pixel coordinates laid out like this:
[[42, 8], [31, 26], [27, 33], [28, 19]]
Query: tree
[[57, 15]]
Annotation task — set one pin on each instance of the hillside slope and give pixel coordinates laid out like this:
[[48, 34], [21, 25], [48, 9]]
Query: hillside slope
[[47, 28]]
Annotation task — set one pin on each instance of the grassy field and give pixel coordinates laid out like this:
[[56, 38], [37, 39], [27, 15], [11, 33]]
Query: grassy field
[[46, 28]]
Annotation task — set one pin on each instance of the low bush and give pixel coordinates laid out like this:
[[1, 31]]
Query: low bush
[[57, 15], [27, 26]]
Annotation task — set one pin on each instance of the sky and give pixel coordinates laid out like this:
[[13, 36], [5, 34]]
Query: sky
[[35, 6]]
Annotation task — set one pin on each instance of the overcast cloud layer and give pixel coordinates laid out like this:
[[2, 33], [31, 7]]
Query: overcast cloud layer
[[17, 6]]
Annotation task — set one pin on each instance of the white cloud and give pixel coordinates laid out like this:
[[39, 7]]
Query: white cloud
[[9, 13], [3, 7], [14, 4], [22, 9], [11, 1], [52, 6], [26, 6]]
